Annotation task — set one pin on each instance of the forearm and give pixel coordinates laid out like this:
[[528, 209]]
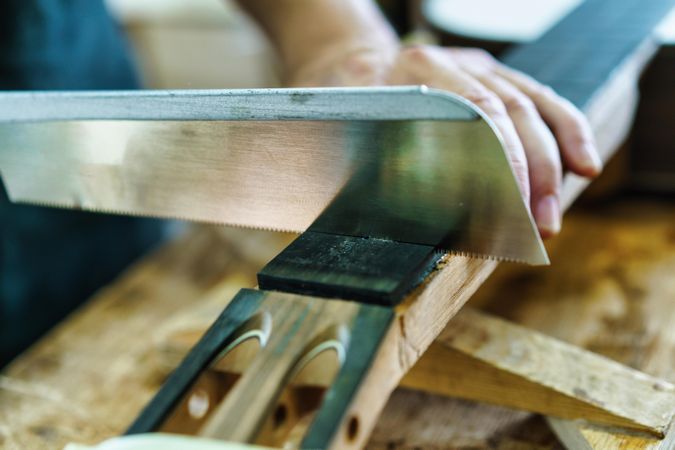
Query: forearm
[[305, 30]]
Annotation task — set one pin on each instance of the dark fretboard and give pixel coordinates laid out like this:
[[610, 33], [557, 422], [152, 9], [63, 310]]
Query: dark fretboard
[[578, 55]]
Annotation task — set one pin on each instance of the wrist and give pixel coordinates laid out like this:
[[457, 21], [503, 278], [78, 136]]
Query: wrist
[[309, 34], [350, 63]]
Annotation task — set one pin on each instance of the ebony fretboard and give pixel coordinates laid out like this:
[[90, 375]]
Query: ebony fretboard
[[578, 55]]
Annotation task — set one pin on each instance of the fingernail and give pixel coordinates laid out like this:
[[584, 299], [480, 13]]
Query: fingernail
[[591, 159], [547, 215]]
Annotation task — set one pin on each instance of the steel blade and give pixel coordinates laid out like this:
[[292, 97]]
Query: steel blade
[[405, 163]]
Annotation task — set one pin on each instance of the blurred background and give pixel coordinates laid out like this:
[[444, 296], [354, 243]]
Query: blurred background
[[211, 44]]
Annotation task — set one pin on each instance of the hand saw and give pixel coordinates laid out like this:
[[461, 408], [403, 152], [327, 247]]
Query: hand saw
[[409, 164]]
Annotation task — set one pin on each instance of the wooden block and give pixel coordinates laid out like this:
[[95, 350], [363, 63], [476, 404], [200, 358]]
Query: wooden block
[[479, 357], [375, 271]]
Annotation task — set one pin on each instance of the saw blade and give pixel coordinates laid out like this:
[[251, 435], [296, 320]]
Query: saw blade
[[404, 163]]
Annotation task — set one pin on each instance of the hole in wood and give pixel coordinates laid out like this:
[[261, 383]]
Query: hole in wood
[[352, 428], [280, 415], [198, 404], [301, 398], [218, 378]]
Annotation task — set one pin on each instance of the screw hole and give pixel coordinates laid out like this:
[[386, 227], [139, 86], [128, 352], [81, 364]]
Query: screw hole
[[352, 428], [198, 404], [280, 415]]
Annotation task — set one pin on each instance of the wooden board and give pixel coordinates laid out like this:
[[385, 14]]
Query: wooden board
[[480, 357]]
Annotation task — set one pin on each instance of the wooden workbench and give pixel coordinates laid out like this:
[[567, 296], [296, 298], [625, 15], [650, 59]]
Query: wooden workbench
[[611, 288]]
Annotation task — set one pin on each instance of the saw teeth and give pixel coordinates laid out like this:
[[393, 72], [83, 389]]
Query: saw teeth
[[467, 254], [462, 253], [148, 216]]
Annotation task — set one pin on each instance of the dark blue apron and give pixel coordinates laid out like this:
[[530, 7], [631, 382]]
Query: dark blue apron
[[52, 260]]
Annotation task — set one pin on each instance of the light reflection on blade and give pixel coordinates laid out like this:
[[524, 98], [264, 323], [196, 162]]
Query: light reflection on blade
[[445, 183]]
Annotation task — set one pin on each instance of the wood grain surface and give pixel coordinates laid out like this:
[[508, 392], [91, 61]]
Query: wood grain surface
[[481, 357], [609, 290], [91, 375]]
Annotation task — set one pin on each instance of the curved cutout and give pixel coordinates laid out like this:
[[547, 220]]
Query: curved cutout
[[335, 337], [220, 376], [314, 371]]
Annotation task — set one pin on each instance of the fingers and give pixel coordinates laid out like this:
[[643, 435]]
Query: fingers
[[569, 125], [491, 105], [540, 129], [541, 150], [430, 65], [535, 110]]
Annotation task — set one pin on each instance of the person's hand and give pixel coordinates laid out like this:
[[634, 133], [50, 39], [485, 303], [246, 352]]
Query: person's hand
[[349, 43], [542, 131]]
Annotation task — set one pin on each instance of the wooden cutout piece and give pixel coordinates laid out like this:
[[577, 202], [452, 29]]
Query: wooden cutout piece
[[483, 358], [425, 311], [298, 327]]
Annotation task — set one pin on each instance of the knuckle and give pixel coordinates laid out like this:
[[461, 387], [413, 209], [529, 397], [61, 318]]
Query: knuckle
[[545, 92], [485, 100], [579, 122], [520, 166], [481, 54], [572, 120], [576, 137], [550, 173], [417, 54], [519, 104], [576, 128], [546, 172], [361, 65], [520, 170]]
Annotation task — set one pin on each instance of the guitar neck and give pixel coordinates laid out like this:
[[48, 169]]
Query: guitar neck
[[578, 55]]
